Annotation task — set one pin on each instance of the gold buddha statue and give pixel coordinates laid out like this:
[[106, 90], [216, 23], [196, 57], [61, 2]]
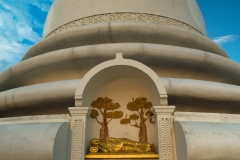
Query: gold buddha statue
[[111, 145]]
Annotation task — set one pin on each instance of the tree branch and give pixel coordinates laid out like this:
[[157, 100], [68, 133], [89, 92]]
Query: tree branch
[[131, 124], [137, 123], [98, 121], [134, 124], [138, 112], [101, 111], [145, 119], [109, 120]]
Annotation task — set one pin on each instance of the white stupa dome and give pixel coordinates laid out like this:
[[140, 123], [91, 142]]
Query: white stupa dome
[[66, 14]]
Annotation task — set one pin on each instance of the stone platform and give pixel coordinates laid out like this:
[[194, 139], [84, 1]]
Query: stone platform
[[122, 156]]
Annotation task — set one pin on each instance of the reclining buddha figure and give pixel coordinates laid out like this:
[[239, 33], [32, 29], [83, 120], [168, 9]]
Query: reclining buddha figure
[[109, 144]]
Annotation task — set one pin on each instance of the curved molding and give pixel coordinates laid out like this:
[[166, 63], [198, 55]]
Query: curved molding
[[166, 61], [205, 96], [120, 61], [196, 89], [45, 95], [124, 17], [55, 94], [124, 32]]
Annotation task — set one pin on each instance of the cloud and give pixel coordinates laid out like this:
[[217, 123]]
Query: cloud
[[11, 52], [20, 27], [43, 4], [225, 39]]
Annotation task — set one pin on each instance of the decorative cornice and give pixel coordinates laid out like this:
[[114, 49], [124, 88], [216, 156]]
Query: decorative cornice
[[124, 17]]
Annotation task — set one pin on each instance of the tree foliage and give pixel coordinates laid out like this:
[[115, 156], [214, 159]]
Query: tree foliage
[[125, 121], [105, 103], [148, 113], [94, 114], [142, 106], [134, 117], [105, 107], [115, 114], [139, 103]]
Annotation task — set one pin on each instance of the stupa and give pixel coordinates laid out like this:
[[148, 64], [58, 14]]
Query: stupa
[[109, 68]]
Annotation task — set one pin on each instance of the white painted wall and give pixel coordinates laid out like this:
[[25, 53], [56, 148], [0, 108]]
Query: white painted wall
[[34, 141], [207, 136]]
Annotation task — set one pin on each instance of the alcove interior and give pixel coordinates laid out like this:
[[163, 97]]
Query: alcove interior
[[120, 83]]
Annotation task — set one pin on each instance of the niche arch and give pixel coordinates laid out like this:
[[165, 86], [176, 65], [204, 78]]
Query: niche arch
[[120, 79], [118, 68]]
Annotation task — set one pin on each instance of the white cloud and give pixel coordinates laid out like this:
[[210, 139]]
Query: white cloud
[[42, 4], [17, 31], [5, 6], [11, 52], [225, 39], [25, 32]]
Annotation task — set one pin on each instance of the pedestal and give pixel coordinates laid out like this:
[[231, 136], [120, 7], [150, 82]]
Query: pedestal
[[78, 127], [165, 132]]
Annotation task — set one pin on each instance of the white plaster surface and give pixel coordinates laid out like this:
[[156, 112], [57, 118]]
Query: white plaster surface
[[79, 132], [127, 32], [204, 136], [63, 11], [165, 60], [35, 119], [181, 89], [206, 117], [211, 91], [117, 69], [34, 141], [164, 124], [34, 95]]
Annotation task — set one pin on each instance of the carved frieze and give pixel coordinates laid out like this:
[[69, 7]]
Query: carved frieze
[[124, 17]]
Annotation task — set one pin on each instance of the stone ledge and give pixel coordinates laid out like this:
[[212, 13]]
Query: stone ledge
[[122, 156]]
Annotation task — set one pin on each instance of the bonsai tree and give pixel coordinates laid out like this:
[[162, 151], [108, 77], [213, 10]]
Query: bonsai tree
[[142, 108], [105, 107]]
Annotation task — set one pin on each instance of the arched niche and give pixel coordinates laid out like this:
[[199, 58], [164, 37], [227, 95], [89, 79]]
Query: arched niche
[[121, 80], [116, 69]]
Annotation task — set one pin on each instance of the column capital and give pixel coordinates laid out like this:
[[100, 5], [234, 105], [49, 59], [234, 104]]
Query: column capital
[[78, 111], [164, 110]]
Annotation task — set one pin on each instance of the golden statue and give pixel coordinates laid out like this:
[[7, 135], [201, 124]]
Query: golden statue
[[110, 145]]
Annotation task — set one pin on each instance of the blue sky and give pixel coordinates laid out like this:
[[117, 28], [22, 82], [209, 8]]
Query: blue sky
[[21, 25], [222, 18]]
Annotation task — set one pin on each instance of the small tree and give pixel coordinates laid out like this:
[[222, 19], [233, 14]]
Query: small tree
[[142, 106], [105, 107]]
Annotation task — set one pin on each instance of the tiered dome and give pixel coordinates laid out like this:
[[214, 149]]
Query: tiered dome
[[168, 36], [79, 23]]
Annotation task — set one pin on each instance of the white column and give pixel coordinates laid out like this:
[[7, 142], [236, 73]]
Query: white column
[[78, 128], [165, 132]]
